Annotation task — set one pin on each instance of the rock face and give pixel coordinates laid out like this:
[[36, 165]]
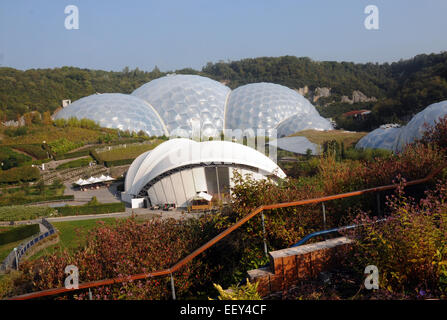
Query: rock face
[[321, 93], [357, 96], [303, 91]]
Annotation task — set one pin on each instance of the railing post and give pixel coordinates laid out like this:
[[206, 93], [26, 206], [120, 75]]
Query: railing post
[[378, 204], [172, 287], [324, 215], [17, 259], [90, 296], [263, 234]]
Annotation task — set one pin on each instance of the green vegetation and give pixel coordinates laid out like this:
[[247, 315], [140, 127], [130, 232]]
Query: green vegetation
[[320, 137], [16, 213], [248, 291], [121, 155], [72, 235], [10, 159], [40, 192], [19, 174], [76, 163], [34, 150], [63, 145], [91, 208], [18, 233]]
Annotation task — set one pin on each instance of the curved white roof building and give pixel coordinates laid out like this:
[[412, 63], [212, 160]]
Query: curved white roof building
[[179, 99], [116, 110], [191, 105], [178, 169], [396, 139]]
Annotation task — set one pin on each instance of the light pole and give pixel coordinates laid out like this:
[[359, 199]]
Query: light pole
[[17, 259]]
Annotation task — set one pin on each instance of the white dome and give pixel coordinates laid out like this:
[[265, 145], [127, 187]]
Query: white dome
[[380, 138], [116, 110], [183, 154], [415, 129], [264, 106], [397, 138], [300, 122], [179, 99]]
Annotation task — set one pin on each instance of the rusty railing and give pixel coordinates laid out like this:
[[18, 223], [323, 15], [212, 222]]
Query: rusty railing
[[210, 243]]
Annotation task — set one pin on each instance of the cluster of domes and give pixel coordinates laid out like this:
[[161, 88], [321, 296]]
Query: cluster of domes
[[396, 138], [177, 105]]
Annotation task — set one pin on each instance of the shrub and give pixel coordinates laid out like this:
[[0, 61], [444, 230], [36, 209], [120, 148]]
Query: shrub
[[409, 248], [122, 249], [15, 213], [63, 145], [248, 291], [11, 159], [92, 209], [18, 233], [34, 150], [76, 163], [23, 174]]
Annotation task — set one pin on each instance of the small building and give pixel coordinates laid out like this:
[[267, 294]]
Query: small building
[[357, 114]]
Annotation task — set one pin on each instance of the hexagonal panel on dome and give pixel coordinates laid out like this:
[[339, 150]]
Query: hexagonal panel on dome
[[264, 106], [189, 96], [116, 110]]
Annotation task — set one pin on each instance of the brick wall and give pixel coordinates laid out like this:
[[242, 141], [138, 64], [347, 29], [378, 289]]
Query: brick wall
[[289, 266]]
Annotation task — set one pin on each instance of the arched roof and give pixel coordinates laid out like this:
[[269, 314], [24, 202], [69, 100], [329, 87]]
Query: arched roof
[[177, 153]]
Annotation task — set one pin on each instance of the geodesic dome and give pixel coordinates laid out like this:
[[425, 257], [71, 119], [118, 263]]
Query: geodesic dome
[[116, 110], [264, 106], [180, 99], [300, 122], [415, 129], [380, 138], [397, 138]]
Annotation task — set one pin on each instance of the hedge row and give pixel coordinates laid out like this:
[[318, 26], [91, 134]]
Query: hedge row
[[91, 209], [121, 162], [34, 150], [23, 174], [76, 154], [83, 162], [12, 200], [18, 233], [21, 212]]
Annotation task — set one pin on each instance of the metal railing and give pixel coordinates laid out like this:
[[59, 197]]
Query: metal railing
[[170, 271], [13, 259]]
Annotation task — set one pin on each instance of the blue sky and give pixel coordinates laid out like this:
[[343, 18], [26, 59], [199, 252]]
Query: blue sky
[[189, 33]]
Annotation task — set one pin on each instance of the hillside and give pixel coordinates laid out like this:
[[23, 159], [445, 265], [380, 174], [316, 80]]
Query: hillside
[[393, 91]]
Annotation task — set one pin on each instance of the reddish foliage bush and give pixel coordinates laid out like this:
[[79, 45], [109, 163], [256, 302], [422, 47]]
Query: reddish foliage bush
[[409, 248], [124, 249]]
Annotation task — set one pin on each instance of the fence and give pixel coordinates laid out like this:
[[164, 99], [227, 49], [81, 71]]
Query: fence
[[13, 259], [259, 210]]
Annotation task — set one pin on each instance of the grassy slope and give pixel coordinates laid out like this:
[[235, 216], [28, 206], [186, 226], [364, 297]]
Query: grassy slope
[[72, 234], [129, 152], [319, 137], [50, 133]]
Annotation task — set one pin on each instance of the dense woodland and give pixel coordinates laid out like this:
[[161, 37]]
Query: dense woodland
[[402, 88]]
